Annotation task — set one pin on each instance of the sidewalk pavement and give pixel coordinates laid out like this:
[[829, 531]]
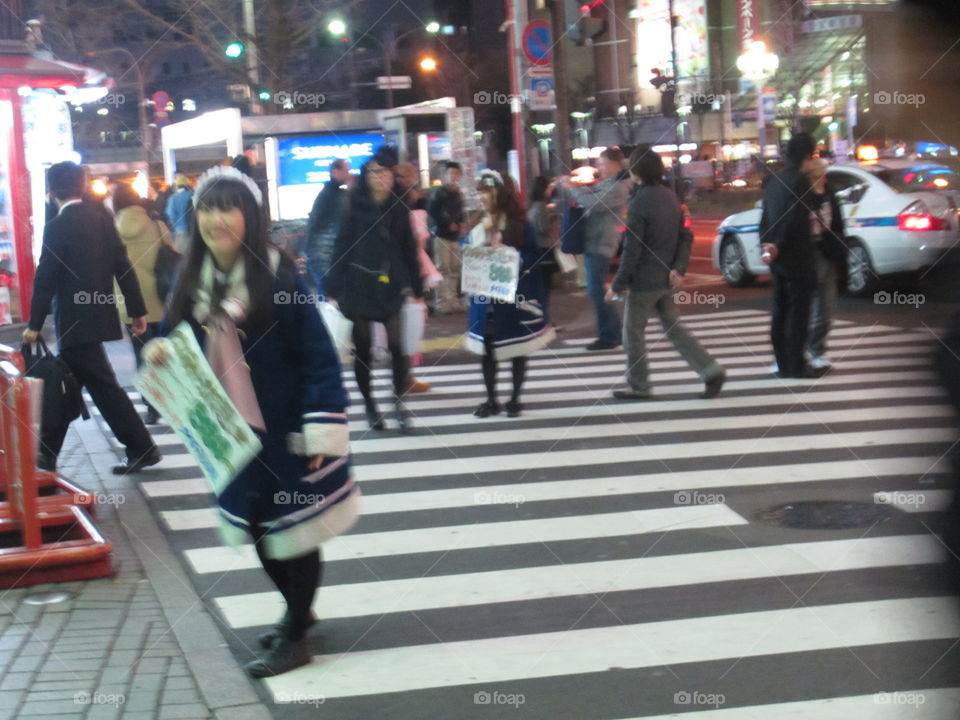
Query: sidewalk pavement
[[138, 646]]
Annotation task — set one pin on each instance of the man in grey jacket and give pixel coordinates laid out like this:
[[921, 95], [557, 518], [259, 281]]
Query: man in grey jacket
[[606, 204], [655, 256]]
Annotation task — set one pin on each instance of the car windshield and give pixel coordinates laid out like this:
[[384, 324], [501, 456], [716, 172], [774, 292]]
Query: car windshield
[[920, 178]]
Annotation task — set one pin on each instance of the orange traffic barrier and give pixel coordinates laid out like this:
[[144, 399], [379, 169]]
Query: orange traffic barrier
[[46, 534]]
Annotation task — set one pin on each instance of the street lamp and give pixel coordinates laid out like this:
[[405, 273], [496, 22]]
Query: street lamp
[[757, 64], [338, 28]]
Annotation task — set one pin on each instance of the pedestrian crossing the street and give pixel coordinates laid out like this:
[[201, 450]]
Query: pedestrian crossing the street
[[600, 560]]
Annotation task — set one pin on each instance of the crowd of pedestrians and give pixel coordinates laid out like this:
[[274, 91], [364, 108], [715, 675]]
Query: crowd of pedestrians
[[386, 253]]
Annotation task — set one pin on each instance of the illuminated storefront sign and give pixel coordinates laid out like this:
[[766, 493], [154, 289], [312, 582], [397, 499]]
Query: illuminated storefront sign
[[653, 38], [748, 23]]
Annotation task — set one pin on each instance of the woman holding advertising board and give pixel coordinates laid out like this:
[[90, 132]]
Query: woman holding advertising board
[[508, 318]]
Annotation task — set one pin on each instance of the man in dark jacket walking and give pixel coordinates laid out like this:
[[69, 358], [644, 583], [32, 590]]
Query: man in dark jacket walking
[[656, 251], [447, 215], [82, 255], [787, 246], [324, 222]]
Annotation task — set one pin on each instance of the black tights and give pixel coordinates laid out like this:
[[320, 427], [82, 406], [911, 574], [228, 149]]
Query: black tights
[[362, 362], [297, 580], [489, 364]]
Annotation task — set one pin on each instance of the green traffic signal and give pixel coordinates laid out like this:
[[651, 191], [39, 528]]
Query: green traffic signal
[[264, 95], [233, 50]]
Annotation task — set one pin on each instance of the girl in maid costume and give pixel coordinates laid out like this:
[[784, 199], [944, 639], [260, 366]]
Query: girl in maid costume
[[265, 341], [507, 331]]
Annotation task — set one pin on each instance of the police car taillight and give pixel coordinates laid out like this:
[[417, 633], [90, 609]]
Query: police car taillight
[[918, 218]]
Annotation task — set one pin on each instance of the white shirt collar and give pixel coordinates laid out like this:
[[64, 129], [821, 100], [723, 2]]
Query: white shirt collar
[[68, 203]]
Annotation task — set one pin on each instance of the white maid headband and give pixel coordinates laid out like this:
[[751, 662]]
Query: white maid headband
[[490, 178], [223, 172]]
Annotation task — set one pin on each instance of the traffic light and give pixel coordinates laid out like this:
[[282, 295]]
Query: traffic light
[[233, 50], [264, 95], [582, 27]]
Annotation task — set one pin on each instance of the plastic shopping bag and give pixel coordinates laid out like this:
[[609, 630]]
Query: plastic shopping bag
[[339, 328], [413, 324]]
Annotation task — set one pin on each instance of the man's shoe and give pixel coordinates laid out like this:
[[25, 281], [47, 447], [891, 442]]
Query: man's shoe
[[820, 361], [602, 345], [132, 465], [284, 656], [812, 373], [152, 416], [714, 384], [632, 394]]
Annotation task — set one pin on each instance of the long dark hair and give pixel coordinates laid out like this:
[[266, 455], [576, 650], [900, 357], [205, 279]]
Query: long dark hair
[[225, 194], [362, 207], [508, 205]]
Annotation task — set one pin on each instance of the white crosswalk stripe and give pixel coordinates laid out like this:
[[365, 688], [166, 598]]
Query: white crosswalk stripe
[[622, 552]]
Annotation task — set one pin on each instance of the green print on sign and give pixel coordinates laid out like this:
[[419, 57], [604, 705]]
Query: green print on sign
[[491, 273], [209, 432]]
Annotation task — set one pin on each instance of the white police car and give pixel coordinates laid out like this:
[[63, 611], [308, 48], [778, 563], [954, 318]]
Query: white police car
[[899, 215]]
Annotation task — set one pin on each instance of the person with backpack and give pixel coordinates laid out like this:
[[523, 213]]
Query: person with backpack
[[81, 257], [655, 255], [142, 237]]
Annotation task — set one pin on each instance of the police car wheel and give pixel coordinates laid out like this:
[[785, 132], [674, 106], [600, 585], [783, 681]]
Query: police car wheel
[[733, 262], [861, 278]]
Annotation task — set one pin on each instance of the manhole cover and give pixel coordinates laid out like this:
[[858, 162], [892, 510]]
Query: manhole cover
[[826, 514], [48, 598]]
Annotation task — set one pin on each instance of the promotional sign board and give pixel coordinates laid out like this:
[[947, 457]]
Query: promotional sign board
[[491, 273], [304, 166], [193, 402]]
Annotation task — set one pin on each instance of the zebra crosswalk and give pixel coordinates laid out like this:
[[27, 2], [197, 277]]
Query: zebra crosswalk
[[595, 560]]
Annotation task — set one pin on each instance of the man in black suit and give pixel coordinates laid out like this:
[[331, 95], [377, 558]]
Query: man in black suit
[[82, 254], [788, 248]]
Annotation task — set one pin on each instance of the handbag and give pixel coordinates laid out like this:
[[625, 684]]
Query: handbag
[[573, 235], [413, 324], [339, 329], [62, 401], [565, 261]]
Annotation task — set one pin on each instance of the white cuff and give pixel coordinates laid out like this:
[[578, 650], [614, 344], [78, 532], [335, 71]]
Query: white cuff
[[329, 439]]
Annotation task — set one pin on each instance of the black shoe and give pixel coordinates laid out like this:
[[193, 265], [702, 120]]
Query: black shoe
[[602, 345], [284, 656], [402, 414], [152, 416], [132, 465], [272, 636], [633, 395], [514, 409], [47, 462], [714, 384], [374, 418], [486, 409], [812, 373]]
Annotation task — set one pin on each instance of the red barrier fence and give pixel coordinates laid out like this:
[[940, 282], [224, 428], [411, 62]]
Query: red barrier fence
[[46, 534]]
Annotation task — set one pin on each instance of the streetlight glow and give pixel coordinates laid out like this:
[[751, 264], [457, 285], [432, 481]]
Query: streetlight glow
[[428, 64], [337, 28], [433, 27]]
